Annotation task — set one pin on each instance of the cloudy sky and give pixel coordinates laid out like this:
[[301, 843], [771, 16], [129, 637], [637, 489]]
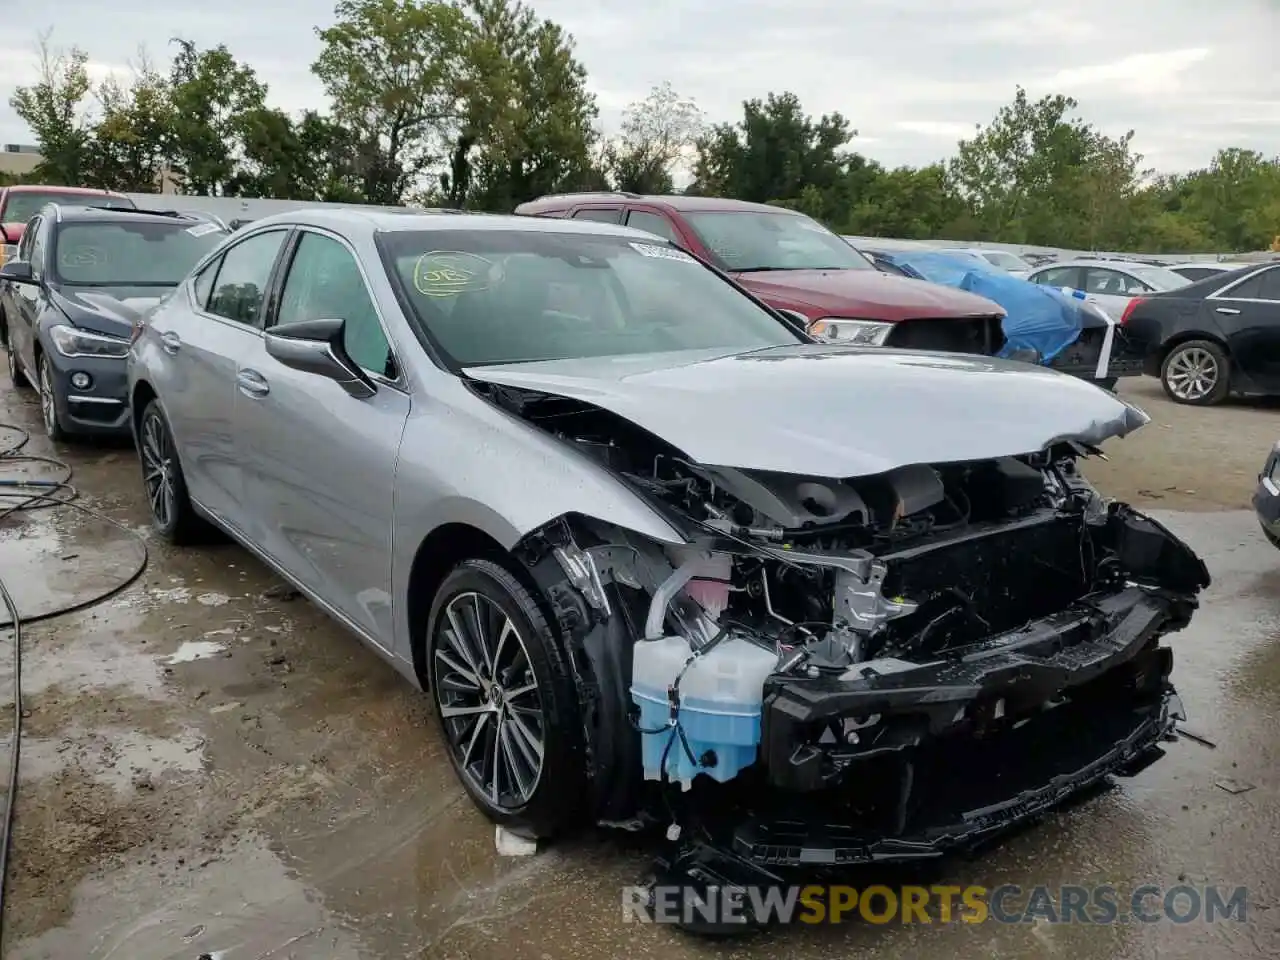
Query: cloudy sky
[[912, 75]]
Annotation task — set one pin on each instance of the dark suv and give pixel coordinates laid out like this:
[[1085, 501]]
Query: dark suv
[[798, 266]]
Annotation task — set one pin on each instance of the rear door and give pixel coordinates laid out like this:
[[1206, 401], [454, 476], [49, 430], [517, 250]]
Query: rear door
[[320, 464], [203, 334], [1248, 314]]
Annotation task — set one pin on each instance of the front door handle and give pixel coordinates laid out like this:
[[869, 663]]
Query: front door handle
[[170, 341], [252, 383], [1229, 311]]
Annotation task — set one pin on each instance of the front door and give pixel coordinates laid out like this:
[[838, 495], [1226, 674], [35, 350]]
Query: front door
[[320, 464], [1248, 314], [213, 321]]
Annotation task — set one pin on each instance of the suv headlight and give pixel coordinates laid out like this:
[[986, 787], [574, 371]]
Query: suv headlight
[[870, 333], [71, 342]]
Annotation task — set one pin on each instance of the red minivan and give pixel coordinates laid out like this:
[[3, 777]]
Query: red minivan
[[20, 203], [799, 267]]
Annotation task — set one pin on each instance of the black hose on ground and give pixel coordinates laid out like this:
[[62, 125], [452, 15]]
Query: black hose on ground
[[22, 494]]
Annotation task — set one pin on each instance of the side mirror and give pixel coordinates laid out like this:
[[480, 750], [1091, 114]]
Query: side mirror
[[315, 346], [19, 271]]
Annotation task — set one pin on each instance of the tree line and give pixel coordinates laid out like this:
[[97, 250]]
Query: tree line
[[482, 104]]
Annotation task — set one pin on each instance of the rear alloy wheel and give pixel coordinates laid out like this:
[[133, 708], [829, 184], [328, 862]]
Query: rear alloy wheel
[[172, 514], [505, 700], [16, 376], [1196, 372], [49, 402]]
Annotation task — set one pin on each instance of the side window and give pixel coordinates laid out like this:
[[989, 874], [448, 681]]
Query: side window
[[28, 237], [38, 230], [242, 282], [1059, 277], [653, 223], [602, 214], [1270, 285], [1103, 281], [1250, 289], [204, 283], [324, 283]]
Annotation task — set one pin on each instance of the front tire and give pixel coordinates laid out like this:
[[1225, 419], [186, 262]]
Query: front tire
[[49, 403], [506, 701], [1197, 373], [172, 515]]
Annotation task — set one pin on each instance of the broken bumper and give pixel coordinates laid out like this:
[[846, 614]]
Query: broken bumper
[[922, 760]]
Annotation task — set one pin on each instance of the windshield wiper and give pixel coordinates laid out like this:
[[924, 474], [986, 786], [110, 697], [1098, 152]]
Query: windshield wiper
[[784, 269]]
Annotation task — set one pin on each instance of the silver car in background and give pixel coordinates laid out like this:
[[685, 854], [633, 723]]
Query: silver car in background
[[633, 529], [1111, 284]]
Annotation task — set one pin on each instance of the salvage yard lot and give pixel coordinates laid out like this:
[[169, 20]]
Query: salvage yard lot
[[211, 766]]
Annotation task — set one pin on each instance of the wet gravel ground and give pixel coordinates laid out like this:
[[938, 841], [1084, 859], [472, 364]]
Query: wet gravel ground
[[211, 769]]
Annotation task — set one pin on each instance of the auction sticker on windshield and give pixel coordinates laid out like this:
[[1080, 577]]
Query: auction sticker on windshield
[[443, 273], [661, 253], [203, 229]]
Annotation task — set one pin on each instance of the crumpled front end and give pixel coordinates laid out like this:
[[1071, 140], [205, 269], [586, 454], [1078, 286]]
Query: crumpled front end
[[884, 667]]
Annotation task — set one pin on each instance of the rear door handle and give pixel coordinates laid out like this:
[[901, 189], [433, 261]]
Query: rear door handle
[[170, 341], [252, 383], [1229, 311]]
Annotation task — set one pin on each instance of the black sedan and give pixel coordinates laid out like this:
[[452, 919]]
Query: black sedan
[[1213, 338], [81, 278]]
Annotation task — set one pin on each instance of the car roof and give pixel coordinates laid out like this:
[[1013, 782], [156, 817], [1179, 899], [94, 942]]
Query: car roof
[[679, 202], [53, 188], [401, 220], [1104, 264], [74, 213]]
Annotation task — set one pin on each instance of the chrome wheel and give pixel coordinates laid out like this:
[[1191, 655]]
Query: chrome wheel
[[1192, 374], [48, 405], [157, 470], [489, 700]]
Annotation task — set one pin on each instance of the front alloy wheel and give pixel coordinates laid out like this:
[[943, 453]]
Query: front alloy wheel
[[49, 402], [172, 514], [505, 698], [489, 700]]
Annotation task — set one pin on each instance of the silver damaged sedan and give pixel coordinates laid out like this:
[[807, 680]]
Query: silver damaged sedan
[[654, 553]]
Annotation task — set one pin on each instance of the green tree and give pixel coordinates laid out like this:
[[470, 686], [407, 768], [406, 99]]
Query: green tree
[[133, 138], [390, 68], [776, 153], [213, 96], [312, 158], [657, 133], [525, 121], [54, 108]]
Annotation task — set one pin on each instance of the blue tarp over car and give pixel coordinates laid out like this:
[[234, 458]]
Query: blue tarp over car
[[1041, 318]]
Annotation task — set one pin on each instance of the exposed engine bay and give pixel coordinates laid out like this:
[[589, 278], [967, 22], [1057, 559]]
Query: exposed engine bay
[[855, 640]]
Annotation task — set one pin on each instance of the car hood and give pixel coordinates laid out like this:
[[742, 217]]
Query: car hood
[[834, 412], [863, 295], [113, 314]]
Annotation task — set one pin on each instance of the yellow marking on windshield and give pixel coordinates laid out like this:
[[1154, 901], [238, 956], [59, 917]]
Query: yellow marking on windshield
[[447, 273]]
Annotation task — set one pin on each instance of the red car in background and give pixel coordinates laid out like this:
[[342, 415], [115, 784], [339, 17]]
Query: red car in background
[[20, 203], [799, 267]]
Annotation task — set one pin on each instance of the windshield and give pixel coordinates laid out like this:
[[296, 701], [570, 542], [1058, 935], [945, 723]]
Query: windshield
[[753, 240], [1159, 277], [498, 296], [1006, 260], [132, 254], [21, 205]]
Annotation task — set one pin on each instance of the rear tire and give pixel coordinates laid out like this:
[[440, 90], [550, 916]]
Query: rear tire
[[506, 700], [16, 376], [172, 515], [1196, 373]]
